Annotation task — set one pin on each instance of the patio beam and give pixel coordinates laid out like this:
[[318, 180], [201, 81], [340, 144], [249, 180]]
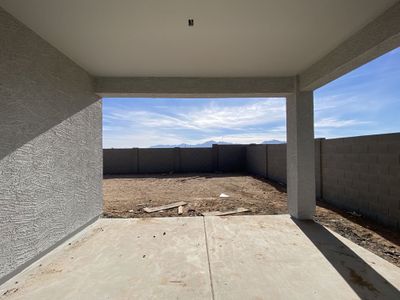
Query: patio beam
[[300, 155], [193, 87], [375, 39]]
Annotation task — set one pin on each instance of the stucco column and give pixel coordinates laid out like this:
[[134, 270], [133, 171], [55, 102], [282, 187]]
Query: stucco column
[[300, 155]]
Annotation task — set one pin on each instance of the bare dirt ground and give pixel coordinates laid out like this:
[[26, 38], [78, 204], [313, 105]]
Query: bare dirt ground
[[126, 196]]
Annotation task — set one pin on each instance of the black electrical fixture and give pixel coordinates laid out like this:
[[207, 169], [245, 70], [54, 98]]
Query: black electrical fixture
[[191, 22]]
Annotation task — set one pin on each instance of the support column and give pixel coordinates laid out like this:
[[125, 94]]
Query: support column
[[300, 154]]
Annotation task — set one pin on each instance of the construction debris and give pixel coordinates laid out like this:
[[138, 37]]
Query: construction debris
[[180, 210], [225, 213], [164, 207], [353, 213], [224, 195]]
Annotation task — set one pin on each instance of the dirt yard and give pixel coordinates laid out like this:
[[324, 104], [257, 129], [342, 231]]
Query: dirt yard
[[126, 196]]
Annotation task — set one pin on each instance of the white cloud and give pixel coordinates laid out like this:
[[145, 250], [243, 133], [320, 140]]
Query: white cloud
[[248, 138], [250, 122], [141, 138], [244, 123], [217, 116], [214, 116], [337, 123]]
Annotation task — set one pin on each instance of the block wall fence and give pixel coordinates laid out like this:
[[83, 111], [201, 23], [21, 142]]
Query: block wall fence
[[360, 174]]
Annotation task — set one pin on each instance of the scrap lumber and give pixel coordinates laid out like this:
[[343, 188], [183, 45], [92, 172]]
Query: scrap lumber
[[225, 213], [180, 210], [164, 207]]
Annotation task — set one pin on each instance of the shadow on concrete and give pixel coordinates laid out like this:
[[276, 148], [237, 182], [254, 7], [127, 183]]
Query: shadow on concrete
[[361, 277]]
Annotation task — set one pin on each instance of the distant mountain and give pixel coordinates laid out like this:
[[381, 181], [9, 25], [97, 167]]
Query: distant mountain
[[273, 142], [208, 144]]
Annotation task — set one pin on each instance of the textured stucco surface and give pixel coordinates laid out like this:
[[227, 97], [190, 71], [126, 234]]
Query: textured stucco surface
[[50, 150]]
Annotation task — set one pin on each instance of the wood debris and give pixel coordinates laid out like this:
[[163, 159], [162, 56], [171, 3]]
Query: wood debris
[[164, 207], [224, 213]]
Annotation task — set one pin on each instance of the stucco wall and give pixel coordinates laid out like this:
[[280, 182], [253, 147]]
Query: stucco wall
[[50, 149]]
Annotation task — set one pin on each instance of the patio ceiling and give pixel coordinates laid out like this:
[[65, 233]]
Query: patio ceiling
[[240, 38]]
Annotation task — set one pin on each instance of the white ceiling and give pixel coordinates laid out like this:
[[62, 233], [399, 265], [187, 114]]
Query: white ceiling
[[229, 38]]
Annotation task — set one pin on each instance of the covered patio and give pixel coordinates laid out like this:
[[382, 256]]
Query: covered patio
[[59, 58], [242, 257]]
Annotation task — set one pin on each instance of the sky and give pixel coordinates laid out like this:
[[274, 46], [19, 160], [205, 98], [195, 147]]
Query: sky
[[363, 102]]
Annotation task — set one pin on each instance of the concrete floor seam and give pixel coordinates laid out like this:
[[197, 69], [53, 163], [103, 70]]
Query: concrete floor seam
[[208, 258]]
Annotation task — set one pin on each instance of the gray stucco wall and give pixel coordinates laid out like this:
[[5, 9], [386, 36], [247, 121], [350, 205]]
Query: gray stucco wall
[[50, 150]]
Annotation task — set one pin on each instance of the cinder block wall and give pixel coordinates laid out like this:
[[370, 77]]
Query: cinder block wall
[[231, 158], [257, 160], [156, 160], [277, 162], [220, 158], [123, 161], [359, 174], [362, 174], [196, 160], [50, 149]]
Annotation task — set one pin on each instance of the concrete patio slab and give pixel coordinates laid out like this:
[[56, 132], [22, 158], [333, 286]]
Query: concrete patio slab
[[246, 257], [275, 257], [122, 259]]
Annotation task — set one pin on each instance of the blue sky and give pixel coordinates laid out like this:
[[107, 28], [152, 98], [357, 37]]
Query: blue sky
[[365, 101]]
